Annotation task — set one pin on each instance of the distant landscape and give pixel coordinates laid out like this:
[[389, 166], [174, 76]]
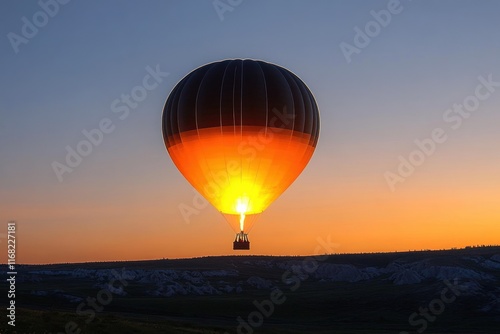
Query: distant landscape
[[449, 291]]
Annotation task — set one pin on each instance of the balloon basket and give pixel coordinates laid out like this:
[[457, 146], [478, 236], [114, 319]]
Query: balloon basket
[[241, 241]]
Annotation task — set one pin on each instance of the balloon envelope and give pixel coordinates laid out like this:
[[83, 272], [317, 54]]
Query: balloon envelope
[[240, 131]]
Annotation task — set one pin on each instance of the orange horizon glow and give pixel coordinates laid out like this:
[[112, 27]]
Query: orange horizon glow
[[288, 227], [354, 208]]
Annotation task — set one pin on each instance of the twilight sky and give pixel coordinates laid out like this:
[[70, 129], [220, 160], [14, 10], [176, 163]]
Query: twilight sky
[[430, 73]]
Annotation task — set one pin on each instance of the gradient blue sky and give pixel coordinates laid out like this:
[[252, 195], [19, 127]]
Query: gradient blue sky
[[126, 193]]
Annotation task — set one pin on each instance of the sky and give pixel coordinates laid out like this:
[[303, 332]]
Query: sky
[[426, 72]]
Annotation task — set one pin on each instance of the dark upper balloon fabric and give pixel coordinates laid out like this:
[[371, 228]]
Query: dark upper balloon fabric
[[235, 93]]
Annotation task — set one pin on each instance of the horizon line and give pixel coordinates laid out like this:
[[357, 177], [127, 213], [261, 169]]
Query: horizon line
[[261, 255]]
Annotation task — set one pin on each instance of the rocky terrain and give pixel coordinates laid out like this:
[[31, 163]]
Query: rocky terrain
[[394, 284]]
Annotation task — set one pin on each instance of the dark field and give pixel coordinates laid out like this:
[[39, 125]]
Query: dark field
[[455, 291]]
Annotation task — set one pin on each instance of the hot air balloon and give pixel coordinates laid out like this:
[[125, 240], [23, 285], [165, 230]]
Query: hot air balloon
[[240, 131]]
